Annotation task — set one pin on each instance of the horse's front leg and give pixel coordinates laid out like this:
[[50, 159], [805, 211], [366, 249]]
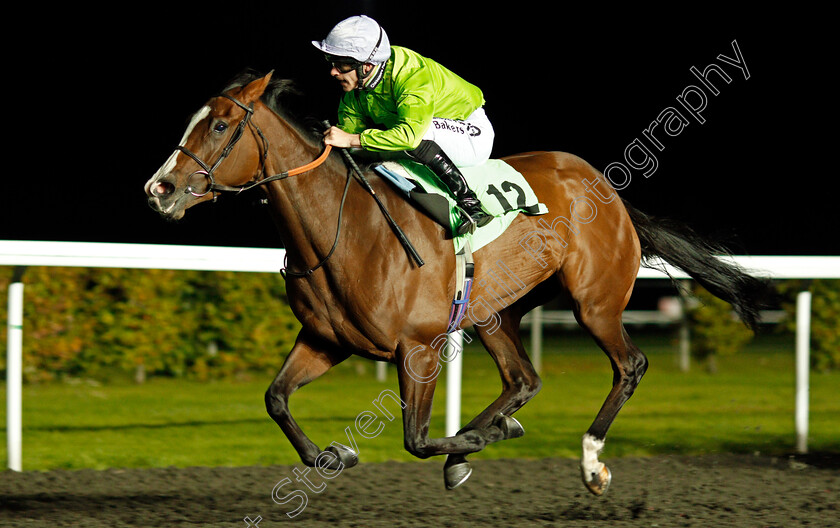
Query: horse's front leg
[[305, 363], [520, 383], [418, 367]]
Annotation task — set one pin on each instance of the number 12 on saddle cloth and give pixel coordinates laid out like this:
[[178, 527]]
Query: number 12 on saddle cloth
[[503, 192]]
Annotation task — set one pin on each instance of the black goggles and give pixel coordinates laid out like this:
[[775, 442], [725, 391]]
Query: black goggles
[[342, 64]]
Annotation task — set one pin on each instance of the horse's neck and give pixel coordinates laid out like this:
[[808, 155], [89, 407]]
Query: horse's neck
[[305, 206]]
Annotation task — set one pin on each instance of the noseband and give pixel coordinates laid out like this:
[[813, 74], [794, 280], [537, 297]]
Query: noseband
[[208, 171], [213, 187]]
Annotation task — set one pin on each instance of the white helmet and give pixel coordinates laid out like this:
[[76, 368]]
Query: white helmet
[[360, 38]]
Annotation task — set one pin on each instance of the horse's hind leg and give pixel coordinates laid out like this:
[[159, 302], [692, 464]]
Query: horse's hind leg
[[520, 383], [629, 365], [304, 364]]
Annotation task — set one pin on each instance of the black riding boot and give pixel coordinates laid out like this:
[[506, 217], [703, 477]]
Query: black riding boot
[[472, 215]]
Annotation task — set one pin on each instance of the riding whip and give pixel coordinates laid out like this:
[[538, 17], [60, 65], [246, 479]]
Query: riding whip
[[361, 178]]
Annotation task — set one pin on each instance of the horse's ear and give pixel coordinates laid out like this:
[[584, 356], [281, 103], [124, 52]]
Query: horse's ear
[[255, 89]]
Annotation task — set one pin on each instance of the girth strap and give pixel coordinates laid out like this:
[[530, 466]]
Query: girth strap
[[464, 271]]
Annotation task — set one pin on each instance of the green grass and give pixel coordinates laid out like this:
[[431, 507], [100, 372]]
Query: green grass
[[747, 407]]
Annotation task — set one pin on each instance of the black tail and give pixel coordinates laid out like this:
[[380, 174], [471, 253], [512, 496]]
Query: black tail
[[683, 249]]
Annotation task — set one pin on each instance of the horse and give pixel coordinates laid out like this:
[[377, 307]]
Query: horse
[[356, 291]]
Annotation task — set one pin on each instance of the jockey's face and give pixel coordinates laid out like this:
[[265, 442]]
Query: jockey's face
[[349, 80]]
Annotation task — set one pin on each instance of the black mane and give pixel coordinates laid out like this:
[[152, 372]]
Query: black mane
[[284, 99]]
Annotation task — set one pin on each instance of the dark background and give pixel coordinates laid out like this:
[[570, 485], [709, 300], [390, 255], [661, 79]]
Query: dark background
[[100, 97]]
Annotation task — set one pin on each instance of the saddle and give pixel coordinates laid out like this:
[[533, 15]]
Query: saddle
[[503, 192]]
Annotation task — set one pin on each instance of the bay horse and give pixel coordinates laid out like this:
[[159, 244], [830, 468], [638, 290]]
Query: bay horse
[[356, 291]]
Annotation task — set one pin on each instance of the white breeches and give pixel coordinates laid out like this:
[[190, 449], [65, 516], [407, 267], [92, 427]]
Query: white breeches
[[467, 142]]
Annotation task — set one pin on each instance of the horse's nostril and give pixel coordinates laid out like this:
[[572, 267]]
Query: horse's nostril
[[162, 188]]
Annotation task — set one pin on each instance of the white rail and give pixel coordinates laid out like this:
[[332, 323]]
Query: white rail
[[154, 256], [139, 256], [146, 256]]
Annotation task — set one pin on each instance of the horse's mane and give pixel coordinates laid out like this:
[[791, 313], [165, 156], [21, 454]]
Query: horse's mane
[[284, 99]]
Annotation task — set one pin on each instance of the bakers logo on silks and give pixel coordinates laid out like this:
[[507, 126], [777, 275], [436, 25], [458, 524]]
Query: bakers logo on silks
[[457, 127], [473, 130]]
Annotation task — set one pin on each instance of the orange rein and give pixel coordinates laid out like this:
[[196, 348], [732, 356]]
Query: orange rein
[[312, 164]]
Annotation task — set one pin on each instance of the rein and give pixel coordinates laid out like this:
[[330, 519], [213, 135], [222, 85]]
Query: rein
[[207, 170], [213, 187], [293, 172]]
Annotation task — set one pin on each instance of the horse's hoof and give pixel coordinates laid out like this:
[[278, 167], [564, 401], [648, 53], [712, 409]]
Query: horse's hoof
[[345, 455], [597, 483], [456, 474], [510, 427]]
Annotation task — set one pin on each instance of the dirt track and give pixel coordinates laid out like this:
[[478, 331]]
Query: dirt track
[[709, 491]]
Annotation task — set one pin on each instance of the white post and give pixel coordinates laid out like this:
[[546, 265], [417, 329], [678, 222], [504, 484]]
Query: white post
[[803, 365], [536, 338], [381, 371], [453, 383], [14, 361], [685, 328]]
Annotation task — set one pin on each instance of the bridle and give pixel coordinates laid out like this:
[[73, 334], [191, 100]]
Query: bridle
[[213, 187], [208, 170]]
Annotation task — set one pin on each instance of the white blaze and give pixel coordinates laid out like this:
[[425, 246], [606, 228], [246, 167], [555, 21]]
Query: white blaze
[[170, 163]]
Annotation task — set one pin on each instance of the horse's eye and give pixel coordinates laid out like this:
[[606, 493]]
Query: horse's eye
[[220, 127]]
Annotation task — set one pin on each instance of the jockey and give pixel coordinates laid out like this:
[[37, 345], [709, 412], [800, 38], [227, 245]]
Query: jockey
[[397, 100]]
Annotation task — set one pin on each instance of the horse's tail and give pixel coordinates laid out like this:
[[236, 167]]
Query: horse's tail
[[679, 246]]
